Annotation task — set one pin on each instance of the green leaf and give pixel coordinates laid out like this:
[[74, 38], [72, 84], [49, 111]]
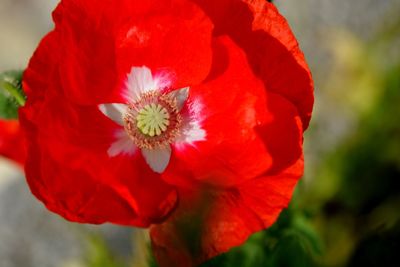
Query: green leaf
[[11, 95]]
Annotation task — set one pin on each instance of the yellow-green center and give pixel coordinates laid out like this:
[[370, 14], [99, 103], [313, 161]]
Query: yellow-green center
[[152, 120]]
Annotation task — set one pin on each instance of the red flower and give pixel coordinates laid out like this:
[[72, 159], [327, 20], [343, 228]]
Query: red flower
[[183, 115], [11, 141]]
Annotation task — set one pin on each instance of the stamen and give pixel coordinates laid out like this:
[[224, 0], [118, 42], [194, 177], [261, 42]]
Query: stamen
[[153, 121]]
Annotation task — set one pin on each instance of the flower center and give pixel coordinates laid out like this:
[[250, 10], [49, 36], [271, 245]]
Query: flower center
[[153, 119]]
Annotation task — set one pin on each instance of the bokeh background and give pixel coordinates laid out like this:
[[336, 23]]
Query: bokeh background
[[346, 210]]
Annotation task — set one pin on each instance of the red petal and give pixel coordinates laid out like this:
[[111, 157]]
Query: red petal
[[12, 141], [68, 167], [102, 41], [270, 46], [74, 176], [173, 39], [210, 221], [249, 132]]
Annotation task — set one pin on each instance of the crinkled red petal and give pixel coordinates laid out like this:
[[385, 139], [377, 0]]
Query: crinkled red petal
[[270, 46], [249, 131]]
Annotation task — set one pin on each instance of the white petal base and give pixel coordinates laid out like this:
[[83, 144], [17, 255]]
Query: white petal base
[[123, 145], [157, 159], [115, 112]]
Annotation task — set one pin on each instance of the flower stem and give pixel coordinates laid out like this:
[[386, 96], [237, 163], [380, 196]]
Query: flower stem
[[14, 92]]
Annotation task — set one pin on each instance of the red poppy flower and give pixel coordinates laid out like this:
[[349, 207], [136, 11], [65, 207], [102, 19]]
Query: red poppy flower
[[183, 115], [11, 141]]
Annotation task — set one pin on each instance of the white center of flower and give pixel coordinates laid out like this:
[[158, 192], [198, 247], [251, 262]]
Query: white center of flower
[[153, 119]]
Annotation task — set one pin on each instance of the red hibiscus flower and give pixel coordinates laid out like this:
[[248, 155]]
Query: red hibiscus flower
[[11, 141], [183, 115]]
